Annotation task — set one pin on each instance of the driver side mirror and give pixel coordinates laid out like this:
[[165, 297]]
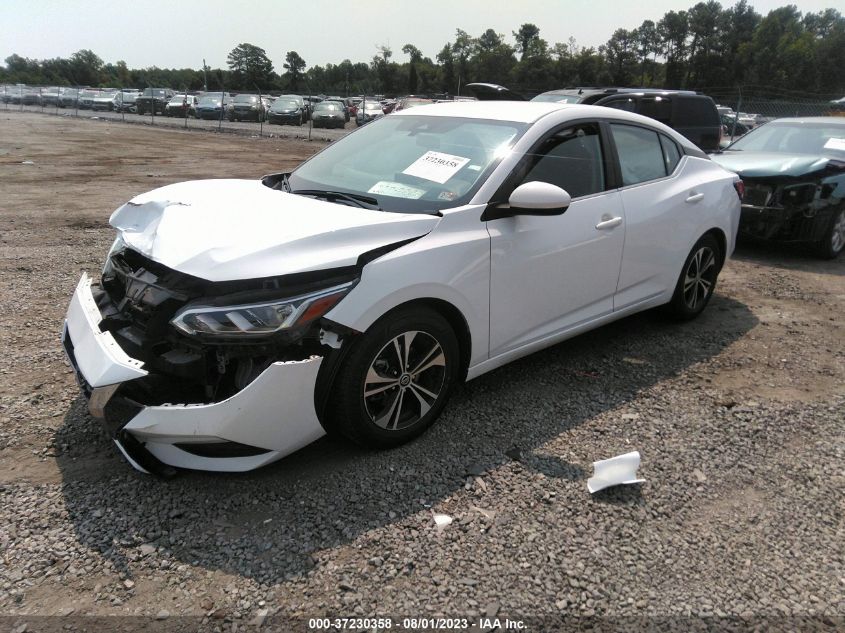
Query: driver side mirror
[[532, 198]]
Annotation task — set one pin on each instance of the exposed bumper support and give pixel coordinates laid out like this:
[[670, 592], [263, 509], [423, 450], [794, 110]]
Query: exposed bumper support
[[99, 358], [274, 414]]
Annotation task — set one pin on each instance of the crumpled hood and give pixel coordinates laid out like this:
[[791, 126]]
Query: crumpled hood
[[770, 164], [223, 230]]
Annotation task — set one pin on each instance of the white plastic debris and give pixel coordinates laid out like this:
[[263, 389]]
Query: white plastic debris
[[616, 471], [442, 520]]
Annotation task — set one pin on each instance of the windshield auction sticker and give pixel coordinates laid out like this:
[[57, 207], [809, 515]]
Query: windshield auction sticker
[[835, 143], [396, 189], [436, 166]]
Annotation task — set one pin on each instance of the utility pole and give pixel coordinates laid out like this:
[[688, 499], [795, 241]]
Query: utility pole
[[204, 76]]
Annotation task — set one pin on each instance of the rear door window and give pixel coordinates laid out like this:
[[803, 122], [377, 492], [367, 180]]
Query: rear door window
[[640, 154]]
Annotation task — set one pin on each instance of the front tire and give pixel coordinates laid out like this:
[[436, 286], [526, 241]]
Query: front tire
[[697, 280], [396, 379], [833, 241]]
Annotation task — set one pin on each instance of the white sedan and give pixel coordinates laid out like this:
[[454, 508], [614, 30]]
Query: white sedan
[[237, 321]]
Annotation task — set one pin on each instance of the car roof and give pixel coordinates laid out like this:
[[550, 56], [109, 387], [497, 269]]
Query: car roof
[[533, 111], [611, 91], [836, 120], [518, 111], [521, 111]]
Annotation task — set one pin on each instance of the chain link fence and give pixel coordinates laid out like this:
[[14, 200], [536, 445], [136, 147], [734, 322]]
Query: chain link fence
[[245, 113], [743, 108]]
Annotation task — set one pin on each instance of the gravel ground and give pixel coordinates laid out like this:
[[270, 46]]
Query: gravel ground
[[738, 416]]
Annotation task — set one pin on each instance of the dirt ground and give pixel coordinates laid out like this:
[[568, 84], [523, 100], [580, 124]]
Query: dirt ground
[[774, 348]]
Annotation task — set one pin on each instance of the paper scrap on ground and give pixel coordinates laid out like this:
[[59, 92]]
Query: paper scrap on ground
[[396, 189], [442, 520], [616, 471], [835, 143], [436, 166]]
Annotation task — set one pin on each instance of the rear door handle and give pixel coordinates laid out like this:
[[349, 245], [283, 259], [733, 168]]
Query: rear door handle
[[608, 222], [695, 197]]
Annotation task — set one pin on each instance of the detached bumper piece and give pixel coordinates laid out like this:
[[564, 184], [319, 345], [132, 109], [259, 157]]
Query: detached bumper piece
[[273, 416]]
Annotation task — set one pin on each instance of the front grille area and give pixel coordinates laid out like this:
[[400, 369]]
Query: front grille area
[[138, 299], [757, 195]]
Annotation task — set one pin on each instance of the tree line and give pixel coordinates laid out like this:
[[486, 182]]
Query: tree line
[[703, 47]]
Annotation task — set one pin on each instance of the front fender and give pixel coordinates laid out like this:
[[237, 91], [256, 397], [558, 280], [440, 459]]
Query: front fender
[[451, 264]]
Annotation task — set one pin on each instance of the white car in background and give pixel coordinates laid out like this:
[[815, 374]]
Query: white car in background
[[237, 321]]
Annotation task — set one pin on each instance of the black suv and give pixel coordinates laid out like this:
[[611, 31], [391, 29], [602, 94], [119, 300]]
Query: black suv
[[691, 113], [154, 99]]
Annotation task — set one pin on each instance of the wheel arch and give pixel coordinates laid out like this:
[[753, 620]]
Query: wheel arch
[[722, 240], [333, 360]]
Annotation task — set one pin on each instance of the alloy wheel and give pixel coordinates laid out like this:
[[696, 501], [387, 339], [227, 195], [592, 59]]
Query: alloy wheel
[[699, 277], [404, 380], [837, 237]]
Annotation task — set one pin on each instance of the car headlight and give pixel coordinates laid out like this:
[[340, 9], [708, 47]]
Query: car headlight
[[259, 319]]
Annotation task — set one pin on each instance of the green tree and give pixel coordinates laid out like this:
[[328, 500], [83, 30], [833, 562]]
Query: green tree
[[673, 30], [295, 66], [647, 45], [828, 32], [250, 67], [446, 69], [621, 54], [526, 36], [416, 57], [493, 58], [85, 67], [462, 50], [413, 52], [705, 59]]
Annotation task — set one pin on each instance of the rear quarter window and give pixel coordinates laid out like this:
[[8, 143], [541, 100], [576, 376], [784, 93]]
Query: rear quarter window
[[694, 111], [657, 108], [671, 153]]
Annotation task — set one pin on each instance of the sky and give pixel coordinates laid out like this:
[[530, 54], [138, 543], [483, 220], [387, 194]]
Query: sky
[[179, 34]]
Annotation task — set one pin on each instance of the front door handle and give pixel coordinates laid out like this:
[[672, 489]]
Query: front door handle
[[695, 197], [608, 222]]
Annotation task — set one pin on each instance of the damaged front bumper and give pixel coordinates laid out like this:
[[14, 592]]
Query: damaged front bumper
[[271, 417], [788, 212], [782, 224]]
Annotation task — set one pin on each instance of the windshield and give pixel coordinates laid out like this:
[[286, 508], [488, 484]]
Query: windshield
[[825, 139], [245, 99], [411, 164], [372, 106], [155, 92], [209, 100], [286, 104], [410, 103], [327, 106], [557, 98], [179, 99]]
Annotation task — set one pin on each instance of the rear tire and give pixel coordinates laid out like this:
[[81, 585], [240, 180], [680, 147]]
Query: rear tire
[[396, 379], [697, 280]]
